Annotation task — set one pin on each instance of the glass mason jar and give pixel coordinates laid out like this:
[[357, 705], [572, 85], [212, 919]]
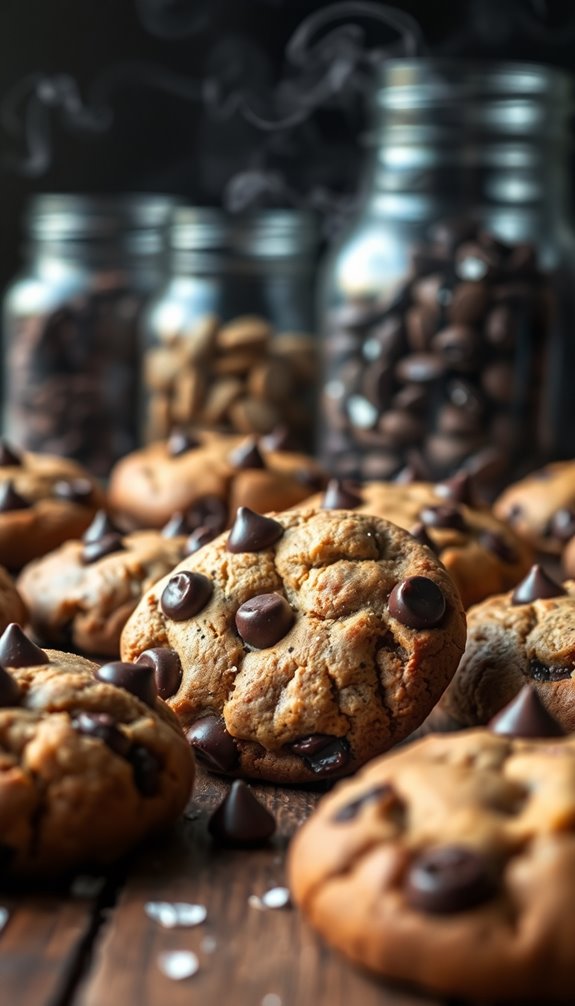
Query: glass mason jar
[[448, 306], [229, 342], [71, 356]]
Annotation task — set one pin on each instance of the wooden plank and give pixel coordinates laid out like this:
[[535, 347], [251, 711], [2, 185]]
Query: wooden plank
[[257, 954]]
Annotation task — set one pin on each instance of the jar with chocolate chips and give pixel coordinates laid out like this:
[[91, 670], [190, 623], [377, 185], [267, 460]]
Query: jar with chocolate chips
[[448, 306], [71, 323], [229, 342]]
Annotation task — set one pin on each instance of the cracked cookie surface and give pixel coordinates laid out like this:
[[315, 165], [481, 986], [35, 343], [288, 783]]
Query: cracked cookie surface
[[309, 641], [450, 864]]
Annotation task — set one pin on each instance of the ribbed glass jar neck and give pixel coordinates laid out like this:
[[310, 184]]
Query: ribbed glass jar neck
[[446, 134]]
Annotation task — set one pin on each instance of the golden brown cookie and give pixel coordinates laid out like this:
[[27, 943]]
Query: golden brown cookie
[[541, 507], [480, 552], [91, 760], [309, 641], [450, 864]]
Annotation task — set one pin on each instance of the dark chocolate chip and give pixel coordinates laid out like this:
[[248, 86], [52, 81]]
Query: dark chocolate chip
[[103, 727], [377, 794], [74, 491], [458, 489], [167, 668], [310, 479], [417, 602], [251, 532], [496, 543], [264, 620], [147, 770], [101, 526], [10, 499], [241, 820], [10, 693], [16, 650], [180, 442], [9, 458], [107, 545], [138, 679], [198, 538], [562, 524], [547, 672], [185, 595], [525, 716], [280, 439], [535, 586], [207, 511], [340, 495], [420, 368], [176, 526], [445, 516], [214, 746], [449, 878], [323, 754], [247, 455], [421, 536]]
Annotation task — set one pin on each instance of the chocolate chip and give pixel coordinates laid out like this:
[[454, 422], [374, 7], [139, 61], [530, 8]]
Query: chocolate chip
[[185, 595], [377, 794], [9, 458], [496, 543], [264, 620], [247, 455], [421, 536], [459, 489], [449, 878], [251, 532], [241, 820], [417, 602], [208, 511], [525, 716], [444, 516], [562, 524], [138, 679], [546, 672], [535, 586], [74, 491], [280, 439], [167, 668], [10, 694], [94, 550], [10, 499], [180, 442], [16, 650], [198, 538], [213, 744], [323, 754], [176, 526], [103, 727], [147, 770], [340, 495], [101, 526]]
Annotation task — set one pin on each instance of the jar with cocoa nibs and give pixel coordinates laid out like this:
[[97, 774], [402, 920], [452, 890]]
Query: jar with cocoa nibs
[[71, 324], [229, 342], [448, 307]]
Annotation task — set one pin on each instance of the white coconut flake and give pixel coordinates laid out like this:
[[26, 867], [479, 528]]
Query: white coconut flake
[[271, 999], [4, 916], [178, 964], [177, 913], [276, 897]]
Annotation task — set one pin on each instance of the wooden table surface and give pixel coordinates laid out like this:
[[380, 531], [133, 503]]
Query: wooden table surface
[[94, 945]]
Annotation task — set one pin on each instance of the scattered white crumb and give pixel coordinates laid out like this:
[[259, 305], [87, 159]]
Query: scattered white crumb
[[208, 944], [271, 999], [178, 964], [4, 916], [178, 913], [276, 897], [86, 886]]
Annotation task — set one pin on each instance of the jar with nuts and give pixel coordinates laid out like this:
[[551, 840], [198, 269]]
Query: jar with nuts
[[229, 343], [449, 304]]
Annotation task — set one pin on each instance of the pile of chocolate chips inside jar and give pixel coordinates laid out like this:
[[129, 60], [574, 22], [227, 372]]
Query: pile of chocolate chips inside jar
[[449, 374]]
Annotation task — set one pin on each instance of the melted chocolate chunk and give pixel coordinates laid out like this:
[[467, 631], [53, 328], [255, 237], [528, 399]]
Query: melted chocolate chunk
[[458, 489], [443, 516], [213, 745], [9, 458], [138, 679], [73, 491], [10, 694], [147, 770], [103, 727], [417, 602], [323, 754], [251, 532], [546, 672], [101, 526], [16, 650], [247, 455], [185, 595], [10, 499], [447, 879], [264, 620], [167, 669], [536, 586], [421, 536], [180, 442], [241, 820], [176, 526], [525, 716], [198, 538], [384, 793], [562, 524], [496, 543], [107, 545], [340, 495]]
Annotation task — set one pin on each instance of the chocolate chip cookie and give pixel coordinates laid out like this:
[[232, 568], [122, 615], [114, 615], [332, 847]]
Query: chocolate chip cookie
[[480, 552], [451, 864], [81, 595], [309, 641], [44, 500], [524, 636], [541, 507], [207, 476], [91, 760], [12, 607]]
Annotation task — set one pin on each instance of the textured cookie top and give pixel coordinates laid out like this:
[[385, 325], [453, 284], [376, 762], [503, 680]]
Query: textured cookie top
[[541, 507], [306, 624], [451, 863], [88, 766], [209, 475], [480, 552]]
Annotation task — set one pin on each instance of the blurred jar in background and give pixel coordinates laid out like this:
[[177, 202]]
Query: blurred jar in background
[[71, 356], [448, 306], [229, 342]]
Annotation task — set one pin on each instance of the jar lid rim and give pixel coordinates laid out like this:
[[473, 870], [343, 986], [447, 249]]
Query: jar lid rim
[[497, 78]]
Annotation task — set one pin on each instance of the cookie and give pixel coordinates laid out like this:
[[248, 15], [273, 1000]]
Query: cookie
[[80, 595], [208, 476], [44, 500], [91, 760], [524, 636], [309, 642], [480, 552], [12, 607], [541, 507], [450, 864]]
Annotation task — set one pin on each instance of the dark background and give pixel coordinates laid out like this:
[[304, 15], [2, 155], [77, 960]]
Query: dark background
[[160, 142]]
